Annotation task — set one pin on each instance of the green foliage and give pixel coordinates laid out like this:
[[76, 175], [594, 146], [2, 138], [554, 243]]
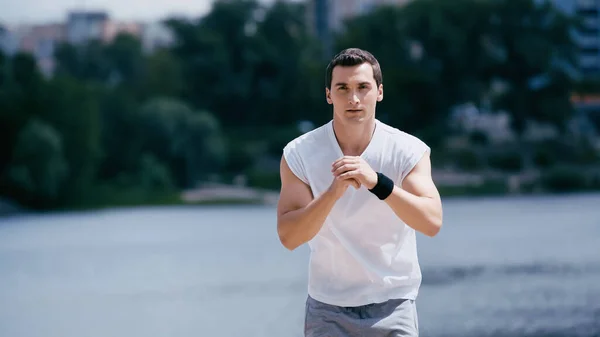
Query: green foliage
[[507, 160], [488, 187], [567, 151], [119, 125], [537, 52], [264, 180], [564, 179], [467, 160], [191, 141], [38, 168]]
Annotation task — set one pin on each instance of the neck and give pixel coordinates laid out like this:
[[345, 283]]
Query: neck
[[353, 138]]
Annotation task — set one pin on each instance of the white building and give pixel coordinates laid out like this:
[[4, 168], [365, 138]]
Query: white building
[[156, 35], [83, 26]]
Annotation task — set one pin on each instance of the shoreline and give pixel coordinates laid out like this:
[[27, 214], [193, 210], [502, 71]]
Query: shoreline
[[232, 195]]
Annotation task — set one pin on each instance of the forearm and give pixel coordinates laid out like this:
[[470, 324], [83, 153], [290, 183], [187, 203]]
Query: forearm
[[300, 226], [423, 214]]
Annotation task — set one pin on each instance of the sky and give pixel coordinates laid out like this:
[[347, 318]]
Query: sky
[[45, 11]]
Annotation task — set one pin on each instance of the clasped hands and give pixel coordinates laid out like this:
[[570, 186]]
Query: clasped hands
[[351, 170]]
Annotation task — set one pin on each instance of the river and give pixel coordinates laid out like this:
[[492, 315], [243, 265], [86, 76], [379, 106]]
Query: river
[[518, 266]]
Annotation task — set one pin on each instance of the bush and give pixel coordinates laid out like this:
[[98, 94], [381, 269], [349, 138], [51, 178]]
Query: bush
[[578, 152], [263, 179], [468, 160], [489, 187], [506, 161], [544, 157], [478, 138], [564, 179]]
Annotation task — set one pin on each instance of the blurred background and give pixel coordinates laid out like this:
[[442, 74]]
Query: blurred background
[[140, 147]]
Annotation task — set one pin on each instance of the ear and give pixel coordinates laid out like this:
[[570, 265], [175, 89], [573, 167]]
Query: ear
[[328, 96], [380, 93]]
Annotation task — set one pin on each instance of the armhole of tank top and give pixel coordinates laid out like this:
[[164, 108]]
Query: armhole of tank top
[[417, 150], [294, 163]]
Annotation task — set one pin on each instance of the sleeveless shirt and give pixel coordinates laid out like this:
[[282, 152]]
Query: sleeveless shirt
[[364, 253]]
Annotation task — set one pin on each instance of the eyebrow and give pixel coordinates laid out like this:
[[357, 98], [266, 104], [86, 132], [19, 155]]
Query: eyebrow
[[341, 84]]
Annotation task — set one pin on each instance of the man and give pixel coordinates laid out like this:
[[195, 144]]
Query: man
[[364, 274]]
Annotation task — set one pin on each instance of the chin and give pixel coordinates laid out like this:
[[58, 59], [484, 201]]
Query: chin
[[355, 118]]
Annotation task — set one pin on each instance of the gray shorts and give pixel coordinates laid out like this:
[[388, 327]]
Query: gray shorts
[[394, 318]]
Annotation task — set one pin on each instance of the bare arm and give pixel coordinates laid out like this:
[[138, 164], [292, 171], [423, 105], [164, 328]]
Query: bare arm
[[299, 215], [418, 202]]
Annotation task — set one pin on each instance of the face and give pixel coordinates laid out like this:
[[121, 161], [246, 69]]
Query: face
[[354, 93]]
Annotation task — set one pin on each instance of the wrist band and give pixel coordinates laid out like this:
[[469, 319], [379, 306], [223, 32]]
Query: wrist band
[[383, 188]]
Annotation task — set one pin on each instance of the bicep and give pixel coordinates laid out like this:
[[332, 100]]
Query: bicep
[[419, 181], [294, 194]]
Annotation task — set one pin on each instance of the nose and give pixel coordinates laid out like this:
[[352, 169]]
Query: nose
[[353, 99]]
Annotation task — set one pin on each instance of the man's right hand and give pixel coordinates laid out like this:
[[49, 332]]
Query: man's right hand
[[339, 186], [300, 215]]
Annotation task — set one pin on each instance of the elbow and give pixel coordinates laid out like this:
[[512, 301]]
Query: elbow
[[285, 240], [434, 227], [287, 243]]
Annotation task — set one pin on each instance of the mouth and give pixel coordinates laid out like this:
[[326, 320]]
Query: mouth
[[353, 110]]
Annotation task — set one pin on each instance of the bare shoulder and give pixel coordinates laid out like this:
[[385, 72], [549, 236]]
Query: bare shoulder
[[295, 194], [419, 180]]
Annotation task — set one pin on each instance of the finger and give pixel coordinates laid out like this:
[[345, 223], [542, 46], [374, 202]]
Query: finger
[[347, 181], [343, 160], [345, 168], [348, 175], [339, 163], [354, 182]]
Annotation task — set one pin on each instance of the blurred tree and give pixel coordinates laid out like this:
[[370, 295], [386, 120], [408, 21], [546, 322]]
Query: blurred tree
[[85, 62], [68, 61], [537, 55], [287, 92], [218, 56], [431, 56], [38, 168], [202, 146], [126, 60], [21, 97], [587, 85], [121, 137], [3, 68], [72, 109], [248, 63], [120, 62], [189, 142], [163, 75]]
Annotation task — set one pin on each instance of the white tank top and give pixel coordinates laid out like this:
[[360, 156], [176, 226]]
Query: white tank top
[[363, 253]]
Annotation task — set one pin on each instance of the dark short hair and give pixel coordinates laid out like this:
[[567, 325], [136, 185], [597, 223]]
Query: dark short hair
[[352, 57]]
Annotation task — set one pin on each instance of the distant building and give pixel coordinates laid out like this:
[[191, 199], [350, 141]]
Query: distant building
[[9, 41], [112, 29], [41, 42], [3, 39], [83, 26], [588, 38], [156, 35]]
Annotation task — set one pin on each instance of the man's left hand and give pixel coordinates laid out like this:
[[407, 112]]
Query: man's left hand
[[357, 168]]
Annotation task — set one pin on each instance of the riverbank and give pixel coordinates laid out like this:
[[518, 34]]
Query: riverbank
[[450, 184], [8, 207], [229, 194]]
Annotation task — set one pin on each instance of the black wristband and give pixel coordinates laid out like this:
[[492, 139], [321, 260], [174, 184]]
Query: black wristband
[[384, 186]]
